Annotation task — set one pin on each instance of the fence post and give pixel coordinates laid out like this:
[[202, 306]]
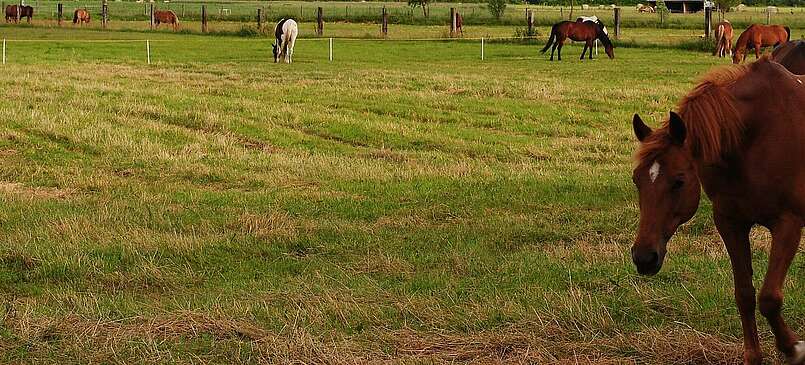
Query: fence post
[[708, 21], [204, 18], [259, 19], [182, 11], [319, 21], [331, 49], [151, 16], [59, 10], [384, 27], [19, 10], [768, 16], [617, 23], [104, 13], [529, 19], [452, 22], [301, 18], [482, 48], [148, 50]]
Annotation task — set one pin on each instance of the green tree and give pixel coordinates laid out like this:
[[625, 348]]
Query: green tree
[[725, 5], [662, 11], [497, 7], [423, 3]]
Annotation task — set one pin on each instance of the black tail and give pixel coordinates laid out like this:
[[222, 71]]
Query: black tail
[[788, 30], [551, 39]]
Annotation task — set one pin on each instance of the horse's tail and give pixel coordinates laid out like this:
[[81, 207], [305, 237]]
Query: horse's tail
[[551, 39], [788, 31], [720, 33]]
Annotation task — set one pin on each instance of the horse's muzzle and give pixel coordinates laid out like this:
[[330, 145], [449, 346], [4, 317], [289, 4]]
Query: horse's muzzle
[[647, 261]]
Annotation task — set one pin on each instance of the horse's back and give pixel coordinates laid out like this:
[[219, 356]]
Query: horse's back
[[792, 56]]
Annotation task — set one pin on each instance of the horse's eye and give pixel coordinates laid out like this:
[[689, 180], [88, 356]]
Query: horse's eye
[[678, 183]]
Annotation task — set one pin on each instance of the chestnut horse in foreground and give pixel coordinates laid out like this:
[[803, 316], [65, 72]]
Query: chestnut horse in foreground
[[81, 16], [792, 56], [740, 134], [167, 17], [578, 31], [723, 39], [758, 36]]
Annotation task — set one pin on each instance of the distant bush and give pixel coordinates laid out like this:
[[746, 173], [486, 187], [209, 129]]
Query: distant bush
[[497, 7]]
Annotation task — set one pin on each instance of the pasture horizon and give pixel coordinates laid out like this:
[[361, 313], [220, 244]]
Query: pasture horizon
[[404, 203]]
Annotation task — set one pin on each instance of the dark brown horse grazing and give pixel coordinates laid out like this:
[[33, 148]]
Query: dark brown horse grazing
[[792, 56], [81, 16], [167, 17], [741, 135], [25, 11], [758, 36], [578, 31], [723, 39]]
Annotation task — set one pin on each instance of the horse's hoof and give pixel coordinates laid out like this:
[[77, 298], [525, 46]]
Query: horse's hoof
[[797, 356]]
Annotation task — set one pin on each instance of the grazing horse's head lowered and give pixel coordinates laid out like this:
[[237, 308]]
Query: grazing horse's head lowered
[[668, 187]]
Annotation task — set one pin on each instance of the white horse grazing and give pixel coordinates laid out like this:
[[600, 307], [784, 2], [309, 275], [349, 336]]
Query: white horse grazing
[[595, 20], [285, 32]]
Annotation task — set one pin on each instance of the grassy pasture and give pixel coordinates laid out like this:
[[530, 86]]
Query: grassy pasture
[[245, 12], [404, 203]]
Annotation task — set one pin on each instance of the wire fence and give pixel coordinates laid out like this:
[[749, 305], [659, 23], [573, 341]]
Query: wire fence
[[140, 50], [399, 13]]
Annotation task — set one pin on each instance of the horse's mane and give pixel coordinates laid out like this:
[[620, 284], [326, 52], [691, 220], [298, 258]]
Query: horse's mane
[[713, 125]]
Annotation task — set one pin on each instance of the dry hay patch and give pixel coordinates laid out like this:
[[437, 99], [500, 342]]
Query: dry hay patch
[[17, 189]]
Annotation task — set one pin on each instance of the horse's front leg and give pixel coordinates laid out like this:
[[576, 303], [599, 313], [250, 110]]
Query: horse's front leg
[[736, 240], [585, 50], [785, 235], [757, 50]]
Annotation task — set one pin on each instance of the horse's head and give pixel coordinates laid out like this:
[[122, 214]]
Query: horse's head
[[738, 56], [275, 50], [668, 190], [609, 48]]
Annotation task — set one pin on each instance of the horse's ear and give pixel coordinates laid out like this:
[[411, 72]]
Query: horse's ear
[[641, 130], [676, 127]]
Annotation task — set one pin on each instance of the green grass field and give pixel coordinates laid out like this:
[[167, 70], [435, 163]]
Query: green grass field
[[405, 203]]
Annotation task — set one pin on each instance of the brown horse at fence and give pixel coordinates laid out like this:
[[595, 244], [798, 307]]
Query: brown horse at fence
[[167, 17], [81, 16], [758, 36], [585, 31], [792, 56], [723, 39], [25, 11], [741, 136]]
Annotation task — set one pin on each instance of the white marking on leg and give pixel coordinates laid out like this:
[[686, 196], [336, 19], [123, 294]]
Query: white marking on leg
[[798, 355], [654, 171]]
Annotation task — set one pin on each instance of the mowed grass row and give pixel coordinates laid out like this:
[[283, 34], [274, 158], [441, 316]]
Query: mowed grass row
[[419, 206]]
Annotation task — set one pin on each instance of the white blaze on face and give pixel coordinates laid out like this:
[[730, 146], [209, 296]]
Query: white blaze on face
[[654, 171]]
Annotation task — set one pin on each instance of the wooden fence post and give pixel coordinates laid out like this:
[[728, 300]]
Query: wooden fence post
[[104, 13], [452, 22], [19, 10], [708, 21], [319, 21], [182, 11], [617, 23], [204, 18], [60, 11], [151, 16], [768, 16], [259, 19], [384, 28], [529, 19]]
